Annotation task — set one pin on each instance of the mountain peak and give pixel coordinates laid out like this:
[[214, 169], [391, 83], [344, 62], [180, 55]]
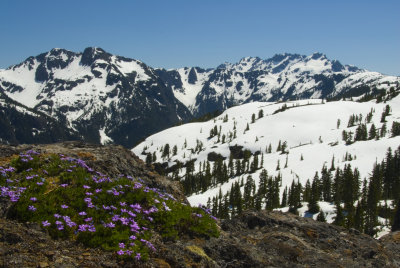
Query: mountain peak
[[90, 54], [318, 55]]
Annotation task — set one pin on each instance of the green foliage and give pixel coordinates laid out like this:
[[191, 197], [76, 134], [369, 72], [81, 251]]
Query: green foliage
[[74, 202]]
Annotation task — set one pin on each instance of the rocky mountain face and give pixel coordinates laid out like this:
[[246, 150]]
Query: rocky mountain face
[[20, 123], [107, 98], [280, 78], [252, 239]]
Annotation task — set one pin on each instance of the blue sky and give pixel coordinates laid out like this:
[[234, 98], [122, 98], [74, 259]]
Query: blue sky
[[173, 34]]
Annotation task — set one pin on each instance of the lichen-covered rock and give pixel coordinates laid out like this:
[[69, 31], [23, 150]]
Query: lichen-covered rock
[[112, 160]]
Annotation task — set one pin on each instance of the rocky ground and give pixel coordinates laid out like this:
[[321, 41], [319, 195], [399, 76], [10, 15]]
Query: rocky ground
[[253, 239]]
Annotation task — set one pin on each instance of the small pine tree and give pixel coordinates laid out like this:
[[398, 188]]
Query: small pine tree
[[253, 118], [321, 216], [313, 206], [279, 148], [383, 130], [332, 164], [260, 113], [149, 159], [372, 132]]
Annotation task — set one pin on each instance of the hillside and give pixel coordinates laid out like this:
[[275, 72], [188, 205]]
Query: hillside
[[258, 239], [309, 131]]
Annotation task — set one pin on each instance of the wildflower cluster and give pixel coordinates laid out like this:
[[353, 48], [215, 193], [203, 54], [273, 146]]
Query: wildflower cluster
[[72, 201]]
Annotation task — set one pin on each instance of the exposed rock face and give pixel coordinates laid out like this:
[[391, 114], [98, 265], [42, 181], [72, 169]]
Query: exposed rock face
[[253, 239]]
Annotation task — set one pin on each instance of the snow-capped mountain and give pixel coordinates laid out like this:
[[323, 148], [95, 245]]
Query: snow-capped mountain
[[108, 98], [104, 97], [282, 77]]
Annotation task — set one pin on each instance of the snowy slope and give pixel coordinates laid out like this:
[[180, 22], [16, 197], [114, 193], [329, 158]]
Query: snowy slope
[[309, 127]]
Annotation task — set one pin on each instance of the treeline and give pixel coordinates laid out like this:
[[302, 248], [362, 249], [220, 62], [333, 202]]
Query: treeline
[[358, 203], [209, 176]]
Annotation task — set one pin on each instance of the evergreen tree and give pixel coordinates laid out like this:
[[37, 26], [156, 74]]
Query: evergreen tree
[[260, 113], [165, 152], [313, 206], [373, 197], [339, 219], [262, 161], [359, 217], [326, 187], [307, 192], [174, 150], [279, 148], [247, 127], [253, 118], [383, 130], [149, 159], [372, 132], [395, 129], [284, 197], [332, 164], [321, 216]]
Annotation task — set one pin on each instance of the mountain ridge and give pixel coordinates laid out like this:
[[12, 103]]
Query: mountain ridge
[[110, 98]]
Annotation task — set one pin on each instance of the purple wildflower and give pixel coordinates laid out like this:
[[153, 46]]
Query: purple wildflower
[[137, 257], [33, 199], [82, 227], [82, 213], [64, 206], [121, 245], [46, 223], [31, 208], [120, 252]]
